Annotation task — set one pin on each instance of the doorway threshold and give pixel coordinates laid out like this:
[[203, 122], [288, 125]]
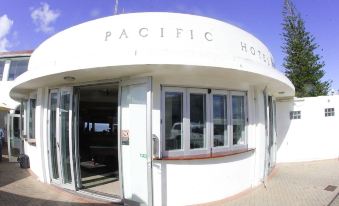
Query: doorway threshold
[[99, 196]]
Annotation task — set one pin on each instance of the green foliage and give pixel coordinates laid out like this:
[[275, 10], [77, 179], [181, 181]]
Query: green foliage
[[303, 66]]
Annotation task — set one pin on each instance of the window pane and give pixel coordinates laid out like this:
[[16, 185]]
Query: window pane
[[16, 68], [102, 127], [66, 159], [220, 136], [173, 120], [2, 65], [238, 119], [52, 135], [31, 119], [197, 120]]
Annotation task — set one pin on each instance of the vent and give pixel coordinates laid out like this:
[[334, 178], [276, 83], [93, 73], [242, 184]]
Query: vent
[[330, 188]]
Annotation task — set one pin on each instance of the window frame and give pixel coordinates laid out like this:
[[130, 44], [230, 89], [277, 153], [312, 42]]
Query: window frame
[[28, 131], [228, 112], [329, 112], [295, 114], [209, 136], [187, 129], [2, 69], [175, 152], [10, 64], [244, 94]]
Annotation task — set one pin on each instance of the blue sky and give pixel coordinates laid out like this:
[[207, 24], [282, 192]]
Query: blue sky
[[25, 24]]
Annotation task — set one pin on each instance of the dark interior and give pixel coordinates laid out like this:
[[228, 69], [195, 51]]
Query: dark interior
[[98, 142]]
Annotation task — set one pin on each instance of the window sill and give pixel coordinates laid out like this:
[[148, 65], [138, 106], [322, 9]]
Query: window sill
[[208, 156], [31, 141]]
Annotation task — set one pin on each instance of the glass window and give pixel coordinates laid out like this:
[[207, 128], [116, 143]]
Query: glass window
[[329, 112], [53, 134], [197, 121], [220, 133], [295, 114], [2, 66], [238, 119], [65, 106], [102, 127], [16, 68], [202, 121], [31, 119], [173, 120]]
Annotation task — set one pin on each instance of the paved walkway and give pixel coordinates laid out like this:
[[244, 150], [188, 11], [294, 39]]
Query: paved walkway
[[295, 184], [19, 188]]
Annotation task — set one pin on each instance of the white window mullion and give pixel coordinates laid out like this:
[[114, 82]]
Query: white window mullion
[[186, 122], [196, 125]]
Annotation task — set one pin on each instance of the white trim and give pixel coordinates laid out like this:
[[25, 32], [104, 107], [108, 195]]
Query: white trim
[[187, 140], [227, 142], [209, 147], [163, 139]]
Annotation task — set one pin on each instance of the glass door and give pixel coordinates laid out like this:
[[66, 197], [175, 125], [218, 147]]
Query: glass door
[[13, 135], [135, 140], [61, 144], [271, 133], [54, 145]]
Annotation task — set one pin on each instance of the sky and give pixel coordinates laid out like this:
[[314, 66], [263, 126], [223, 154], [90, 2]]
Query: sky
[[24, 24]]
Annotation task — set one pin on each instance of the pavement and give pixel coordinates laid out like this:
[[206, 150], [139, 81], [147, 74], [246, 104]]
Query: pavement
[[19, 187], [293, 184]]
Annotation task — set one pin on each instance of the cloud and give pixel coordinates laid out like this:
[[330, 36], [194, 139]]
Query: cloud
[[5, 27], [43, 17]]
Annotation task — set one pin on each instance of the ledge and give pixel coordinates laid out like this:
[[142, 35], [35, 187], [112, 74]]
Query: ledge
[[31, 141], [208, 156]]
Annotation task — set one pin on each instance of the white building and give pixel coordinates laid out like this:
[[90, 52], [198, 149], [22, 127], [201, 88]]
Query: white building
[[12, 64], [152, 109]]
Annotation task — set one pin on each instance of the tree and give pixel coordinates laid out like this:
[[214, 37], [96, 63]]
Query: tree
[[303, 65]]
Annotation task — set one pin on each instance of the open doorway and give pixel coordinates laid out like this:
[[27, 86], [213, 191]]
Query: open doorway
[[98, 140]]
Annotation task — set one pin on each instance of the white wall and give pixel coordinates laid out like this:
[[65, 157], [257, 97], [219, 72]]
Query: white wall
[[34, 151], [314, 136], [187, 182]]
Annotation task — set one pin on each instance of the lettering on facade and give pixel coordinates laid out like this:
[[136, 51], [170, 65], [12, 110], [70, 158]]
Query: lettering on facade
[[145, 32], [253, 51]]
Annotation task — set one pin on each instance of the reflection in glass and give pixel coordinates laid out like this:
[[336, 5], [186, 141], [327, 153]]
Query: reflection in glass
[[238, 119], [52, 135], [220, 137], [173, 120], [197, 120], [66, 160], [16, 68], [15, 143]]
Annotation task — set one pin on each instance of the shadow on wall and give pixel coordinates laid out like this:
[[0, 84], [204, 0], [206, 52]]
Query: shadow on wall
[[283, 108]]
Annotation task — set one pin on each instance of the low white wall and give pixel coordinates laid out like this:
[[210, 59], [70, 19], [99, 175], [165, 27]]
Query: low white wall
[[34, 151], [200, 181], [35, 159], [314, 136]]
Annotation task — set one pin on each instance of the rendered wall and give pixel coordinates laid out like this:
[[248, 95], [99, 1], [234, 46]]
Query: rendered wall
[[186, 182], [201, 181], [33, 150], [314, 136]]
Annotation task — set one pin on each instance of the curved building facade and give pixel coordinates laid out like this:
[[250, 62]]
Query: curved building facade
[[151, 109]]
